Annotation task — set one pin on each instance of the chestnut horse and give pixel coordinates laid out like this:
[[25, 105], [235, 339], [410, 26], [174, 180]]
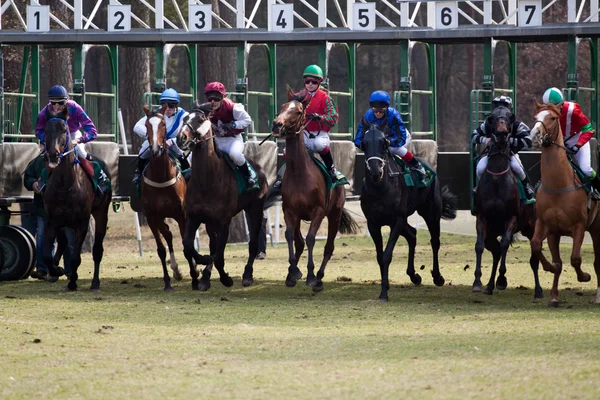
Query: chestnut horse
[[499, 209], [562, 203], [163, 192], [69, 200], [305, 195], [212, 198]]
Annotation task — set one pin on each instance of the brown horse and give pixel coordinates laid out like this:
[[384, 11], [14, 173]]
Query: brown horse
[[163, 192], [562, 203], [212, 198], [305, 195], [69, 200]]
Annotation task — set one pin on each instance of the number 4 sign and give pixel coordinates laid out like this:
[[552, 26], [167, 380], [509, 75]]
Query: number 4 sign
[[530, 13], [282, 18]]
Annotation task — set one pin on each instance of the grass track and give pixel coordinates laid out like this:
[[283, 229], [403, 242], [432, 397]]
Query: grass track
[[268, 341]]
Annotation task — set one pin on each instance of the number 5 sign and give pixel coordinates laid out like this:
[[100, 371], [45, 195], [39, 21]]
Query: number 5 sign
[[363, 17], [446, 15], [119, 18]]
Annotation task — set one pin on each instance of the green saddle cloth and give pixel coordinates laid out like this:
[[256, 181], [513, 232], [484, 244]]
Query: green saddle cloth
[[410, 176], [585, 180], [341, 179], [241, 180], [100, 181], [522, 194]]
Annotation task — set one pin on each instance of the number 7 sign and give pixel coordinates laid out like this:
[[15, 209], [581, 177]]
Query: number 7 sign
[[530, 13]]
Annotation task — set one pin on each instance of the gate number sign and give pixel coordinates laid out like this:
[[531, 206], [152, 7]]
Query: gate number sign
[[363, 16], [530, 13], [38, 18], [282, 18], [119, 18], [200, 17], [446, 15]]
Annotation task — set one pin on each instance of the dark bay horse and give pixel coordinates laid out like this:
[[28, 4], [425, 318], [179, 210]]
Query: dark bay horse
[[69, 200], [305, 195], [499, 210], [563, 206], [388, 201], [212, 198], [163, 192]]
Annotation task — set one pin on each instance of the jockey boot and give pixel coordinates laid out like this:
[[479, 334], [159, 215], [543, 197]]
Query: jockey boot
[[529, 192], [328, 159], [183, 162], [137, 177], [250, 182], [277, 183], [596, 183], [416, 165]]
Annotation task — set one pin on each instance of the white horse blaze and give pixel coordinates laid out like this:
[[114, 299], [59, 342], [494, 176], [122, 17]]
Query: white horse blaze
[[204, 128], [154, 123]]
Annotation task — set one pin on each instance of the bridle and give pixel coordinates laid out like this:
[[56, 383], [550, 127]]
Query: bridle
[[296, 127], [195, 139], [64, 153]]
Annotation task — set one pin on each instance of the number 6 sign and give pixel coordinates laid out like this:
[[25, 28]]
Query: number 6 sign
[[446, 15]]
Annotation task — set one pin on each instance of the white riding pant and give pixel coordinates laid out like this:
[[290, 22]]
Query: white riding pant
[[515, 165], [401, 151], [234, 147], [173, 149], [582, 157], [80, 148], [318, 143]]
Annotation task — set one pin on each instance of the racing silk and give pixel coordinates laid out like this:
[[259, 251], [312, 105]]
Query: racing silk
[[173, 124], [323, 105], [228, 112], [77, 120], [395, 130], [574, 122], [519, 135]]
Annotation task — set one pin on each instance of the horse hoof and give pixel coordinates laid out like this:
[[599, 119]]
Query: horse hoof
[[501, 283], [383, 299], [311, 282], [539, 294], [226, 281], [204, 286], [585, 277], [477, 289], [488, 291], [289, 282], [295, 273], [50, 278], [416, 279], [177, 275], [553, 303], [72, 286], [247, 282], [318, 287], [94, 290], [168, 289], [439, 280], [195, 286]]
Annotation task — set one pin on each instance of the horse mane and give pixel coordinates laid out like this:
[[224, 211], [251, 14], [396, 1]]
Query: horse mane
[[204, 108], [64, 114]]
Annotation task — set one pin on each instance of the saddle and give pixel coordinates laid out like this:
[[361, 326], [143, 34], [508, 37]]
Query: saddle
[[239, 178], [410, 176]]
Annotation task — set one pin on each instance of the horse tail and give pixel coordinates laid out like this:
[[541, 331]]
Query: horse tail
[[273, 195], [347, 223], [449, 204]]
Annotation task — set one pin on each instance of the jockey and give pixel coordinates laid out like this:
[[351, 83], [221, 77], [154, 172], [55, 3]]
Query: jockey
[[577, 131], [78, 119], [174, 120], [229, 120], [381, 113], [519, 140]]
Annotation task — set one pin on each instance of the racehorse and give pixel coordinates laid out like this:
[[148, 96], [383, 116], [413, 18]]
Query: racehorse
[[499, 210], [386, 200], [305, 195], [212, 198], [69, 199], [163, 192], [563, 207]]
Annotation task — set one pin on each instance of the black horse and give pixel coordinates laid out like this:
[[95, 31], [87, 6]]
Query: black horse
[[386, 200], [69, 199], [499, 210]]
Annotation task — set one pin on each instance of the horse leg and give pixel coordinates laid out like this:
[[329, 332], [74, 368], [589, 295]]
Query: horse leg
[[311, 237], [375, 231], [402, 228], [255, 215], [540, 234], [299, 245], [433, 225], [292, 223], [191, 226], [596, 241], [554, 246], [80, 232], [479, 247], [333, 220], [578, 234], [491, 243], [510, 227], [535, 264], [101, 219], [219, 258], [157, 226], [50, 234]]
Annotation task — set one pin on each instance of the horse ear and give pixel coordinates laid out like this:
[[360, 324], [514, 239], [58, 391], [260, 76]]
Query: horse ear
[[290, 93], [163, 108], [146, 110], [538, 106], [197, 104]]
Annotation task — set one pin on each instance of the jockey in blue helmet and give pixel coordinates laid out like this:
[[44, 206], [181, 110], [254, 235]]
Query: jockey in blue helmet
[[381, 113], [78, 120], [174, 121]]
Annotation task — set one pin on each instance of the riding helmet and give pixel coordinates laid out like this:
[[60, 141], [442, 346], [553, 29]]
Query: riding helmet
[[313, 70], [505, 101], [58, 92], [215, 87], [553, 96], [379, 98], [169, 95]]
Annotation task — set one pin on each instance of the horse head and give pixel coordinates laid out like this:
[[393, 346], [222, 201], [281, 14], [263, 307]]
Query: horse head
[[501, 122], [196, 128], [546, 130], [375, 145], [57, 140], [292, 117], [156, 129]]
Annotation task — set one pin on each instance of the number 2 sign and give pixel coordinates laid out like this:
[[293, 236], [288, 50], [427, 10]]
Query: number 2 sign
[[119, 18]]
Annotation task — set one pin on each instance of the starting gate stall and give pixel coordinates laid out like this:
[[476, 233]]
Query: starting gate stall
[[273, 23]]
